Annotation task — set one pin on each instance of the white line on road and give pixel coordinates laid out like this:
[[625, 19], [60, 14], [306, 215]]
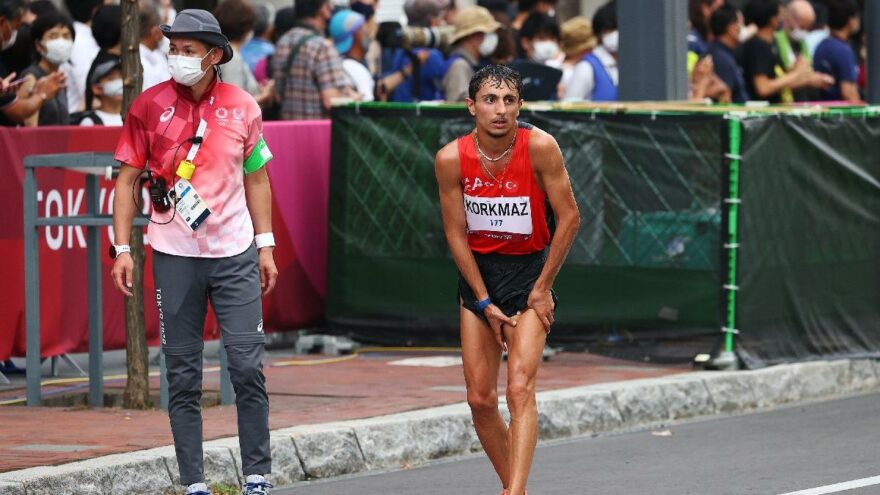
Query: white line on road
[[839, 487]]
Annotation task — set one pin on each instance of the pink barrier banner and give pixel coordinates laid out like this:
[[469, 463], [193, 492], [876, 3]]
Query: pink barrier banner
[[300, 175]]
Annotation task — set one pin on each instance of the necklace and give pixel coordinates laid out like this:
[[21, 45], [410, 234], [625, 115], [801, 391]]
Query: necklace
[[487, 157]]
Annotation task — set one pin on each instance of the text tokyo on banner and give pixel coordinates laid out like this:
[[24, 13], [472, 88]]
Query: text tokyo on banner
[[300, 177]]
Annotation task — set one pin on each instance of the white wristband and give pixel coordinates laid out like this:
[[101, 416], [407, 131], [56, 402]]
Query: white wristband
[[264, 240]]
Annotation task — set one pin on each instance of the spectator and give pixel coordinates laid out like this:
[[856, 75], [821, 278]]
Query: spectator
[[306, 67], [576, 41], [107, 30], [762, 67], [798, 20], [699, 12], [153, 60], [475, 36], [107, 87], [348, 30], [432, 63], [539, 39], [236, 18], [835, 56], [595, 78], [23, 104], [505, 52], [261, 45], [283, 23], [85, 49], [525, 8], [53, 40], [725, 28], [21, 55]]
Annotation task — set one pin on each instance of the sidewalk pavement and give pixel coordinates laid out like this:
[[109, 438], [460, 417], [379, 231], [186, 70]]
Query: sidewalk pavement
[[369, 413], [364, 386]]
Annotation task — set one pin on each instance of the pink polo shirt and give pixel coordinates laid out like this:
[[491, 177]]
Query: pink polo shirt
[[165, 116]]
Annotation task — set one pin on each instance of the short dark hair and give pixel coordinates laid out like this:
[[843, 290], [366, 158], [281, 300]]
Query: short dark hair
[[284, 22], [47, 21], [537, 24], [11, 9], [236, 18], [722, 19], [82, 10], [761, 12], [304, 9], [107, 26], [840, 12], [605, 19], [500, 74], [41, 7]]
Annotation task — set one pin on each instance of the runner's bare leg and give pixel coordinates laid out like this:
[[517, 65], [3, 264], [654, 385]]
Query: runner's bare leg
[[481, 357]]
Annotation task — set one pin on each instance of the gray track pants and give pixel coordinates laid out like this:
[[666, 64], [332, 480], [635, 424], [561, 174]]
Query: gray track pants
[[183, 288]]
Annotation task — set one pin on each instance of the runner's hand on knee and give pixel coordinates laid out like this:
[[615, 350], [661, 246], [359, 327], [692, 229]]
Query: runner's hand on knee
[[497, 318], [542, 302]]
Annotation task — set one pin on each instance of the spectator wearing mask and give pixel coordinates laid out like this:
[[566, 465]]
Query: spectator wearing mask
[[53, 40], [260, 46], [21, 55], [475, 36], [107, 30], [306, 67], [107, 87], [798, 20], [576, 41], [432, 63], [23, 103], [85, 49], [236, 18], [725, 27], [153, 59], [836, 57], [595, 78], [762, 67], [348, 30], [539, 39]]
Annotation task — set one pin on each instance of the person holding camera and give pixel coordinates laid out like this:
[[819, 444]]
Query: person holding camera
[[211, 235]]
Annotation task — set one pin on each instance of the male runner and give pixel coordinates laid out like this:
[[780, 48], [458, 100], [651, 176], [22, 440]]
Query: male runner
[[494, 185]]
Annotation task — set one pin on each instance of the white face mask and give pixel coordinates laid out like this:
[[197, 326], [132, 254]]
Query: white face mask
[[798, 34], [610, 40], [186, 70], [113, 87], [489, 44], [58, 50], [544, 51], [7, 44]]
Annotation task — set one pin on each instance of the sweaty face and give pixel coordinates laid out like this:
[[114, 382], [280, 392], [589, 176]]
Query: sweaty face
[[496, 107]]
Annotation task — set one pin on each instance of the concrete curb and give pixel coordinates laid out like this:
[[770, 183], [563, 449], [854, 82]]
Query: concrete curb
[[412, 438]]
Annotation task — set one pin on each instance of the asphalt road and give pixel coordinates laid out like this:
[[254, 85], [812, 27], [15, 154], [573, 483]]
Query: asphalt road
[[789, 450]]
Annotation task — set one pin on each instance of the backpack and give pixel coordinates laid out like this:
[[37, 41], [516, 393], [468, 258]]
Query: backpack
[[76, 118]]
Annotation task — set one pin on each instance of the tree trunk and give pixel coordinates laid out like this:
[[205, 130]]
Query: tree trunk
[[137, 388]]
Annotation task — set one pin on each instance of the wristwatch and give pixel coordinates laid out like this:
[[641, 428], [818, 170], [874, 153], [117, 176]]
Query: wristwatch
[[117, 250]]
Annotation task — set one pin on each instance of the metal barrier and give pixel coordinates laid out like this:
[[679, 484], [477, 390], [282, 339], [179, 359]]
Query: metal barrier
[[93, 165]]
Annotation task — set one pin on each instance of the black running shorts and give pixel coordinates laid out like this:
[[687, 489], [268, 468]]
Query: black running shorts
[[508, 278]]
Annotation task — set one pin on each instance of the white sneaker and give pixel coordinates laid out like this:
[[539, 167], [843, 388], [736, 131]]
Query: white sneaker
[[256, 485]]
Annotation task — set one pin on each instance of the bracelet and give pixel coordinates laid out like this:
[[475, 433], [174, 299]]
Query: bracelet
[[264, 240], [482, 305]]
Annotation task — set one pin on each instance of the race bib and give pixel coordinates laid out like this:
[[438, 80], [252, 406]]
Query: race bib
[[499, 217]]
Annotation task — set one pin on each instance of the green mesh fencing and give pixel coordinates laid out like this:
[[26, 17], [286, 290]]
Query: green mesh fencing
[[647, 254]]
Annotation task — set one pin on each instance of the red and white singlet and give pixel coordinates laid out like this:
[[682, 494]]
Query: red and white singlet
[[507, 214]]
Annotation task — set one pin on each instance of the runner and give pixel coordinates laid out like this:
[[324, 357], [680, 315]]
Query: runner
[[495, 183]]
